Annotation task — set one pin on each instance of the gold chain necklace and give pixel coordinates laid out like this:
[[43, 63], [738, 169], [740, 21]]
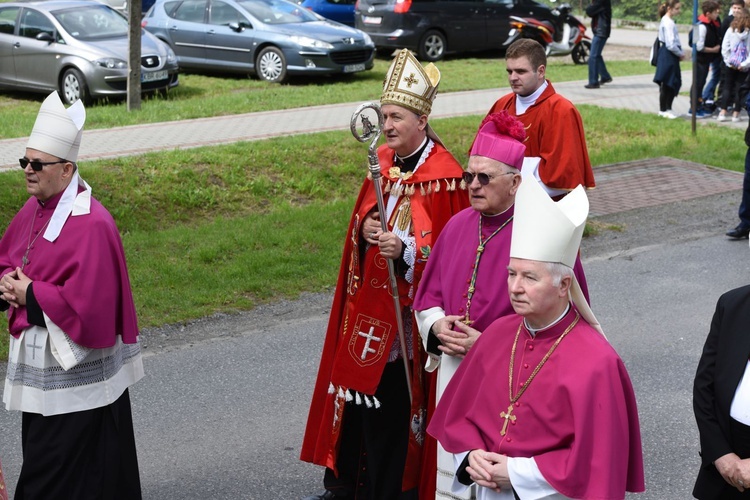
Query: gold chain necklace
[[480, 250], [507, 416], [25, 259]]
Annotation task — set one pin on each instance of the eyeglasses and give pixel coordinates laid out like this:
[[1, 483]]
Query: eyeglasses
[[37, 166], [484, 179]]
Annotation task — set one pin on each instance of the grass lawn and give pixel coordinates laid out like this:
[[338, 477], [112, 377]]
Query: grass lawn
[[200, 96], [255, 222]]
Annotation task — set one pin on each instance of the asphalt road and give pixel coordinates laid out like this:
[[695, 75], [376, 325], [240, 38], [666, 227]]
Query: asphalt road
[[221, 412]]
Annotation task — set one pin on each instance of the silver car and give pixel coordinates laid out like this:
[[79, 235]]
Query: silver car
[[79, 48], [271, 38]]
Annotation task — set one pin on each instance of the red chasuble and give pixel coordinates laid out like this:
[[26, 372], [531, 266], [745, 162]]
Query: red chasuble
[[554, 132], [577, 419], [362, 303], [80, 280]]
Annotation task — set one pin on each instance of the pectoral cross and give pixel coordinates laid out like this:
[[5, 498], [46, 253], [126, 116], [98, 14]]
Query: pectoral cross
[[507, 417]]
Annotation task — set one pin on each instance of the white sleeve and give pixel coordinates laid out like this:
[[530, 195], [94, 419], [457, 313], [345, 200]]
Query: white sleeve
[[700, 42], [66, 352], [528, 481], [746, 62], [726, 49], [458, 488], [425, 320]]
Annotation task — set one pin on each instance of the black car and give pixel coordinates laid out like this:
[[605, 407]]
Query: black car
[[432, 28]]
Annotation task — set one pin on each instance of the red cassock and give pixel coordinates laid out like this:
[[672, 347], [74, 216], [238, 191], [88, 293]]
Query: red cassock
[[577, 419], [362, 301], [554, 132]]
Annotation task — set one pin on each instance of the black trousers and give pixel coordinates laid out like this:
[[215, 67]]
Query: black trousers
[[372, 451], [666, 97], [83, 455]]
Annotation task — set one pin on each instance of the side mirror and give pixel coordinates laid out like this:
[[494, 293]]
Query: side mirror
[[239, 27], [45, 37]]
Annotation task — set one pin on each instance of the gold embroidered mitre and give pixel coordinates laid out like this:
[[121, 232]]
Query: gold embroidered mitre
[[410, 85]]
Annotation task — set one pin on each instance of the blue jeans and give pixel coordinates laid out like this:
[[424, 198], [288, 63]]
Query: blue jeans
[[710, 88], [597, 68]]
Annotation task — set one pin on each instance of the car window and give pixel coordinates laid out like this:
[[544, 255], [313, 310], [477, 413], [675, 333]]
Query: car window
[[92, 22], [8, 20], [222, 14], [33, 23], [277, 11], [508, 3], [193, 11]]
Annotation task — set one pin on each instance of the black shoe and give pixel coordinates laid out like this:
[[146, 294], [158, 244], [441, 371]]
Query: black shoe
[[592, 86], [605, 80], [326, 495], [739, 233]]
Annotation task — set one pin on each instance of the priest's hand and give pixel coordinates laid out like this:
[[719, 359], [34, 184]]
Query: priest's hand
[[488, 469], [390, 245], [13, 287], [734, 470], [458, 343], [371, 227]]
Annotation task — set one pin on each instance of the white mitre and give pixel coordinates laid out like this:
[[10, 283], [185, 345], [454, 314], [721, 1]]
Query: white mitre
[[57, 131], [549, 231]]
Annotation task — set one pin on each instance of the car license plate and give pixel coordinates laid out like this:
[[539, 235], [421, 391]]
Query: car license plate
[[351, 68], [371, 20], [154, 76]]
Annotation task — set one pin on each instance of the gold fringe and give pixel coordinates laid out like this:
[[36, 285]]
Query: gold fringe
[[453, 184], [463, 185], [421, 189], [387, 186], [437, 186]]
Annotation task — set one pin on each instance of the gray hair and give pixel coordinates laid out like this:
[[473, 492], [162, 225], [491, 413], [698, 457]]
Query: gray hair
[[558, 271]]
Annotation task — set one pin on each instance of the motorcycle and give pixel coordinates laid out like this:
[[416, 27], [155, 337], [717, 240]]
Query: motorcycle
[[567, 35]]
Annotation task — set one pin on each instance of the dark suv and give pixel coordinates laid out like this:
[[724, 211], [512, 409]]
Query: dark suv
[[433, 27]]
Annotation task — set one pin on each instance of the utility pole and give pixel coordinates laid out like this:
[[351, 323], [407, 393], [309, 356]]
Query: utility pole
[[134, 55]]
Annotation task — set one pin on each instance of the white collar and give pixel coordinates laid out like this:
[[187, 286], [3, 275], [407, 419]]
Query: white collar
[[524, 102], [71, 203]]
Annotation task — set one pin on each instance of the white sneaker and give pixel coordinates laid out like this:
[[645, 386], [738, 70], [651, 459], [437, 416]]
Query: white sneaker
[[668, 114], [736, 119], [662, 113], [721, 118]]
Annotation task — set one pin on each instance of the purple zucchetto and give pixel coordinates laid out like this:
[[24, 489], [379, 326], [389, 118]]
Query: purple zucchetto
[[500, 137]]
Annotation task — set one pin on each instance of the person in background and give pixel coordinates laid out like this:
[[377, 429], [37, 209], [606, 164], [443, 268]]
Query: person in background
[[735, 51], [74, 348], [721, 401], [742, 230], [554, 128], [708, 45], [668, 75], [600, 12]]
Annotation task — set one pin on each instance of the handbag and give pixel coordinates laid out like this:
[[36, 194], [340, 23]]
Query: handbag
[[655, 51]]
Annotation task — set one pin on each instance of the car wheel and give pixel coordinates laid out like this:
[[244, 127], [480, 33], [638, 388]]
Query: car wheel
[[73, 87], [271, 65], [433, 45], [581, 52]]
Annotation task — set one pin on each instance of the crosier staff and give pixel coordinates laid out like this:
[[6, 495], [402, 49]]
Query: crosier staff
[[372, 133]]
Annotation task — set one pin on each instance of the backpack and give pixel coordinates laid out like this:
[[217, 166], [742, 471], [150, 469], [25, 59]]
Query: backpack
[[654, 57], [738, 55]]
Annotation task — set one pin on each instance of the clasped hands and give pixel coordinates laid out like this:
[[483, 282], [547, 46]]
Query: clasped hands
[[13, 287], [488, 469], [734, 470], [390, 244], [455, 343]]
